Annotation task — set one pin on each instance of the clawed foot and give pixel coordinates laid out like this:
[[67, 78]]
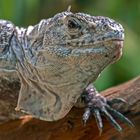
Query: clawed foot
[[97, 105]]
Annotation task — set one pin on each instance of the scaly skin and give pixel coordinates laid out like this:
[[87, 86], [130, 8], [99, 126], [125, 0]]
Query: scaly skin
[[57, 59]]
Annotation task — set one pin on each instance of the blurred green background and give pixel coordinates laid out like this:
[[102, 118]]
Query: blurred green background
[[127, 12]]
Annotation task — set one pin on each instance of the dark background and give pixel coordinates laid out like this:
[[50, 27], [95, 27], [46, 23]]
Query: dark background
[[127, 12]]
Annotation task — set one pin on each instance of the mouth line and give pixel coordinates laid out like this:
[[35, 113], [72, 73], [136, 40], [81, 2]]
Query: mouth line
[[114, 39], [118, 42], [117, 39]]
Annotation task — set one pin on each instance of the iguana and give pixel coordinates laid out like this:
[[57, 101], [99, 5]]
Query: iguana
[[58, 59]]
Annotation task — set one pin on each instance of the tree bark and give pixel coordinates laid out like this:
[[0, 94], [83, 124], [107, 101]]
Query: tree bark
[[16, 125]]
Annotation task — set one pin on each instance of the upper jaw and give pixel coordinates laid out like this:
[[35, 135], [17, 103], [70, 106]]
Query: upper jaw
[[91, 39], [116, 35], [116, 38]]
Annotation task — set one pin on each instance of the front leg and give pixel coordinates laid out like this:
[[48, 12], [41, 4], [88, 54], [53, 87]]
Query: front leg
[[96, 105]]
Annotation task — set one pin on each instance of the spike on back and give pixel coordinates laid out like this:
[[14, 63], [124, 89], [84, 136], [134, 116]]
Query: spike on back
[[69, 8]]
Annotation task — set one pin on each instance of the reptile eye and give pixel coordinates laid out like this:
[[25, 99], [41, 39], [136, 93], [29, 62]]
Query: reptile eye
[[72, 24]]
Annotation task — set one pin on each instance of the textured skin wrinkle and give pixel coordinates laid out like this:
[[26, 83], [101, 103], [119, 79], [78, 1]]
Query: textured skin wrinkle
[[57, 59]]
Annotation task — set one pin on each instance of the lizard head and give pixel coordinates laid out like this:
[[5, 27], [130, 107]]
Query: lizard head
[[82, 34], [83, 40]]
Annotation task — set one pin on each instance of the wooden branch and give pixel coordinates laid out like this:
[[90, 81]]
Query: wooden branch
[[71, 127]]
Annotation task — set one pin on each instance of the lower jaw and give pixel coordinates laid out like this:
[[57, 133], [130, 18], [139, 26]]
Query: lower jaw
[[117, 55]]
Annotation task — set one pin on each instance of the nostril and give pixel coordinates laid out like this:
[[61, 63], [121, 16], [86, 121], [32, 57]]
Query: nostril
[[106, 55], [122, 30], [105, 27], [114, 56]]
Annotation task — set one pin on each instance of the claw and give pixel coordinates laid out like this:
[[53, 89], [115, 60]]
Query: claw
[[97, 104], [86, 115], [120, 116], [111, 119], [98, 120], [116, 101]]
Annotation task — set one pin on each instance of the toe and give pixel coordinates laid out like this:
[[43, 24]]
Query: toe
[[120, 116], [86, 115], [98, 118], [116, 101], [111, 119]]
